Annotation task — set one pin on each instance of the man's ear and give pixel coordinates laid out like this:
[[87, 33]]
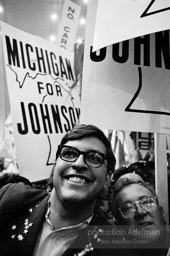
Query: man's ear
[[107, 183], [108, 177], [106, 189]]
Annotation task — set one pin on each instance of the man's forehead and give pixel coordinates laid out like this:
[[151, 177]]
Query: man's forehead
[[91, 142]]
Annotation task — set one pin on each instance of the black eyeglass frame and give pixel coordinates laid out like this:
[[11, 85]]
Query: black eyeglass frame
[[140, 203], [81, 153]]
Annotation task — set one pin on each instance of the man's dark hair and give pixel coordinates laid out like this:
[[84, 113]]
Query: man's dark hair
[[82, 131]]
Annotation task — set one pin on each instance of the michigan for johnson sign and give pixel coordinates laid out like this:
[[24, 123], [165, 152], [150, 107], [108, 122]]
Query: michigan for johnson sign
[[44, 102]]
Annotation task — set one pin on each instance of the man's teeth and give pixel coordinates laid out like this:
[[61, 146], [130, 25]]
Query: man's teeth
[[77, 180]]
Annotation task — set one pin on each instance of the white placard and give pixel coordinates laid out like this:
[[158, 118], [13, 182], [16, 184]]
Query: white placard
[[40, 76], [118, 20], [126, 85]]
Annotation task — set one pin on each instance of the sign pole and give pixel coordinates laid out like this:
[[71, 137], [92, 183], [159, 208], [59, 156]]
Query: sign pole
[[161, 177]]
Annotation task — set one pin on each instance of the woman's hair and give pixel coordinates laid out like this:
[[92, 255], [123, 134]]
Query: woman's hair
[[144, 169]]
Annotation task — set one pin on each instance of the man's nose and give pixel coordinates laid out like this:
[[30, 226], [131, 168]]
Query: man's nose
[[79, 162]]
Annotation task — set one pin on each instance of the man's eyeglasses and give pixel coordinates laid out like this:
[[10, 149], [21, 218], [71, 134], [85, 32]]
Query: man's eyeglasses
[[148, 204], [91, 158]]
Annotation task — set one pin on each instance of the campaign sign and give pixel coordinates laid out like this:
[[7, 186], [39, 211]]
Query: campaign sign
[[68, 25], [126, 85], [44, 103], [117, 20]]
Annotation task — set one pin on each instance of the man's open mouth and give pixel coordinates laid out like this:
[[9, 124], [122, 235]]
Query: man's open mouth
[[77, 179]]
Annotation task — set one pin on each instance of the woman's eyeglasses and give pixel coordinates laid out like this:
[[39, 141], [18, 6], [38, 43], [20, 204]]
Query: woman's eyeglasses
[[148, 204], [91, 158]]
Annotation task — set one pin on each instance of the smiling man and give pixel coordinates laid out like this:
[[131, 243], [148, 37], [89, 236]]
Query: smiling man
[[32, 222], [81, 168]]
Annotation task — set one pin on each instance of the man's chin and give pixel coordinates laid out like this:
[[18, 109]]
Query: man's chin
[[75, 197]]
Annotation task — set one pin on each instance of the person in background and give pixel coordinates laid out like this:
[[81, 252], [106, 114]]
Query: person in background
[[137, 211], [34, 222], [138, 171]]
